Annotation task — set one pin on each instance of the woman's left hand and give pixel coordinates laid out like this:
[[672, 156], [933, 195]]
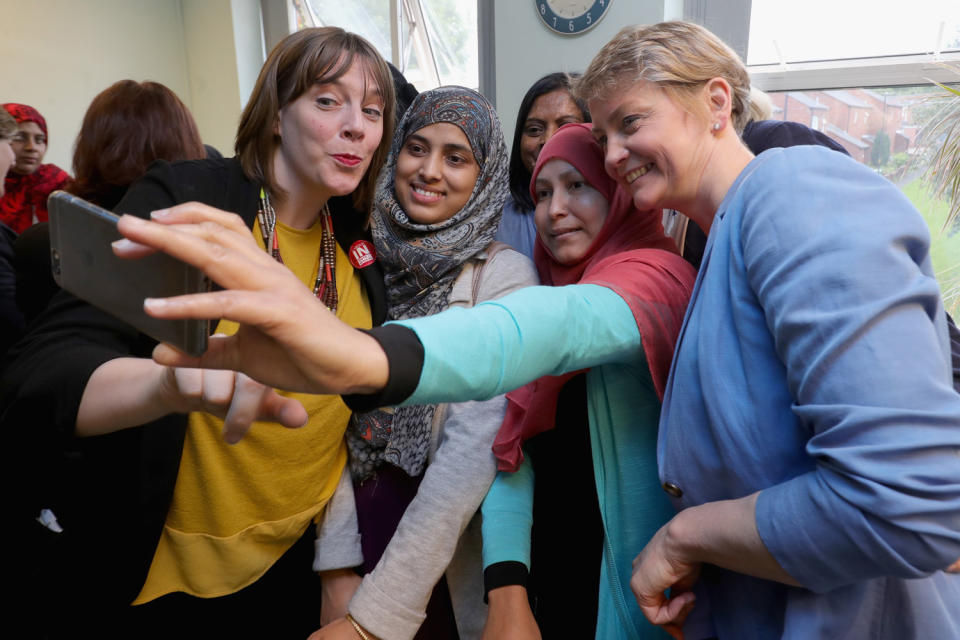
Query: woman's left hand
[[661, 566], [722, 533]]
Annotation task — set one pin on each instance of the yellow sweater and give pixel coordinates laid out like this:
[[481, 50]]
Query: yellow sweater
[[236, 509]]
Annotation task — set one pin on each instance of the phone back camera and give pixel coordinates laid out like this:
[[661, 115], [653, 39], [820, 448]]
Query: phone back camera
[[55, 262]]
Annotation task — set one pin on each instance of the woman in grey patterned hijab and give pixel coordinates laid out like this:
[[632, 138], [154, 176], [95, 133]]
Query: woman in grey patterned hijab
[[429, 218], [422, 260]]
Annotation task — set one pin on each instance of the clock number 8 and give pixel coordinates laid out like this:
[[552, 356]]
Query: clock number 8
[[543, 9]]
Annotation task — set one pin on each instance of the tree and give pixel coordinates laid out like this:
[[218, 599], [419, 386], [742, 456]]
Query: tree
[[942, 134], [880, 152]]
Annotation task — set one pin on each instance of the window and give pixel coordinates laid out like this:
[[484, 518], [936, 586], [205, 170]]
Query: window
[[860, 72], [433, 42], [817, 30]]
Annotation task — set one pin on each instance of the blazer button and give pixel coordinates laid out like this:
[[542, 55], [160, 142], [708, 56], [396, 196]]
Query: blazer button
[[672, 490]]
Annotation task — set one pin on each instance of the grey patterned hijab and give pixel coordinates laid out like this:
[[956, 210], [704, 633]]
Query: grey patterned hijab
[[421, 261]]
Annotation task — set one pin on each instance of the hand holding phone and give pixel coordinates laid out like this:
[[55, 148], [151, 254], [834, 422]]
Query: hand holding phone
[[84, 264]]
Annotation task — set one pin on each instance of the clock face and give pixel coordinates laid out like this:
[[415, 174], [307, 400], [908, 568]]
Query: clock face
[[570, 17]]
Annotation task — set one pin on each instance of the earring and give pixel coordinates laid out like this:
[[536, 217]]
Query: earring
[[716, 126]]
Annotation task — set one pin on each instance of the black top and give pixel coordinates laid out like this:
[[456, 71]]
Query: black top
[[11, 320], [111, 493]]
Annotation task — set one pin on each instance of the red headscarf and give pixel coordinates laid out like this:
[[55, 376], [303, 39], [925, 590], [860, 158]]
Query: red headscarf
[[25, 113], [632, 256], [26, 195]]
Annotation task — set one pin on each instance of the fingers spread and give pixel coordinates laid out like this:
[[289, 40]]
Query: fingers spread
[[220, 354], [230, 258], [285, 411], [189, 384], [218, 390], [245, 408], [130, 250], [170, 357], [227, 304], [193, 212]]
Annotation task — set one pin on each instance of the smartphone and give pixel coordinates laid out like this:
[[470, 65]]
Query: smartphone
[[83, 263]]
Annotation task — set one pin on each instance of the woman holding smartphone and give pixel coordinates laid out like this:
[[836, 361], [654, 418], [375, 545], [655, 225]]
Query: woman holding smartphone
[[169, 517]]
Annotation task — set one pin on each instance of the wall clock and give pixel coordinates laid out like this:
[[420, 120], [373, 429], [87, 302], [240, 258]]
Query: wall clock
[[571, 17]]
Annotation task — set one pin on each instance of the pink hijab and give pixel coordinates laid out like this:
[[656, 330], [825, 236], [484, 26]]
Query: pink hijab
[[632, 256]]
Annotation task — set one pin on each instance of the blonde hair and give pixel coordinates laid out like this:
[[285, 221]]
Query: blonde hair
[[761, 107], [678, 57]]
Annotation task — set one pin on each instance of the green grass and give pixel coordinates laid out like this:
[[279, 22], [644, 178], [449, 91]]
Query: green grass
[[944, 249]]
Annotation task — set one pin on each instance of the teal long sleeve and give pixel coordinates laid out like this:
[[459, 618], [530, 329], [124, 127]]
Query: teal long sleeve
[[508, 517], [500, 345]]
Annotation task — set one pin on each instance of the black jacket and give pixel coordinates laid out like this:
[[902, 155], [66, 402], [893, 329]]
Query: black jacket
[[111, 493]]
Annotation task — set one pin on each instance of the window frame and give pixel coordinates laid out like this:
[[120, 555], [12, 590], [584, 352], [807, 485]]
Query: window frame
[[732, 23], [408, 32]]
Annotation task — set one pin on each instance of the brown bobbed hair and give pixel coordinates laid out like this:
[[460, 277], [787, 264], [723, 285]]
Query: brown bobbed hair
[[128, 126], [678, 57], [311, 56]]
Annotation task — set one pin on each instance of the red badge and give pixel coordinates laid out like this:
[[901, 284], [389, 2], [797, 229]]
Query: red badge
[[362, 254]]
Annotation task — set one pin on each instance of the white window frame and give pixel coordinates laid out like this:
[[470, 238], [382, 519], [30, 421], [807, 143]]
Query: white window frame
[[408, 33], [888, 71], [731, 22]]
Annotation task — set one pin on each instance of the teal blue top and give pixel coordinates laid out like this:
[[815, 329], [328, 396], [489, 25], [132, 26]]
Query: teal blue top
[[549, 330]]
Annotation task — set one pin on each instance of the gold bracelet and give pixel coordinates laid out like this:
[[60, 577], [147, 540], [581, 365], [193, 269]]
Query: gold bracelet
[[356, 627]]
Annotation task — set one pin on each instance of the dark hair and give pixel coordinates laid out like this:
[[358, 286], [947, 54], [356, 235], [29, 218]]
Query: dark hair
[[128, 126], [519, 175], [302, 59]]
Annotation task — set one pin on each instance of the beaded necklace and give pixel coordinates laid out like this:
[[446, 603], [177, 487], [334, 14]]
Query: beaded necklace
[[325, 287]]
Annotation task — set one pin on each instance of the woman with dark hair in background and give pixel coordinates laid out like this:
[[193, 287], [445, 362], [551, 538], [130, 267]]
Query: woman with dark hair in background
[[127, 127], [547, 106], [207, 539], [29, 182]]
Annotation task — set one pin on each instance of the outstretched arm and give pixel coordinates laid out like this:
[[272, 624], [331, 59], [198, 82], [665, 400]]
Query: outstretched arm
[[289, 340]]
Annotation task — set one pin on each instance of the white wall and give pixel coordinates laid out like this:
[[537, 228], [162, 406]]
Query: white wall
[[525, 49], [56, 55]]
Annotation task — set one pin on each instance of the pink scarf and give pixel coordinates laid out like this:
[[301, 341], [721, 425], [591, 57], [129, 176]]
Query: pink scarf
[[632, 256]]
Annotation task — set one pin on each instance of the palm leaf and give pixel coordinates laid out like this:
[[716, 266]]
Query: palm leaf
[[942, 135]]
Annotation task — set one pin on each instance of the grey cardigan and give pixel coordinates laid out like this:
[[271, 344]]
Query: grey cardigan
[[440, 530]]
